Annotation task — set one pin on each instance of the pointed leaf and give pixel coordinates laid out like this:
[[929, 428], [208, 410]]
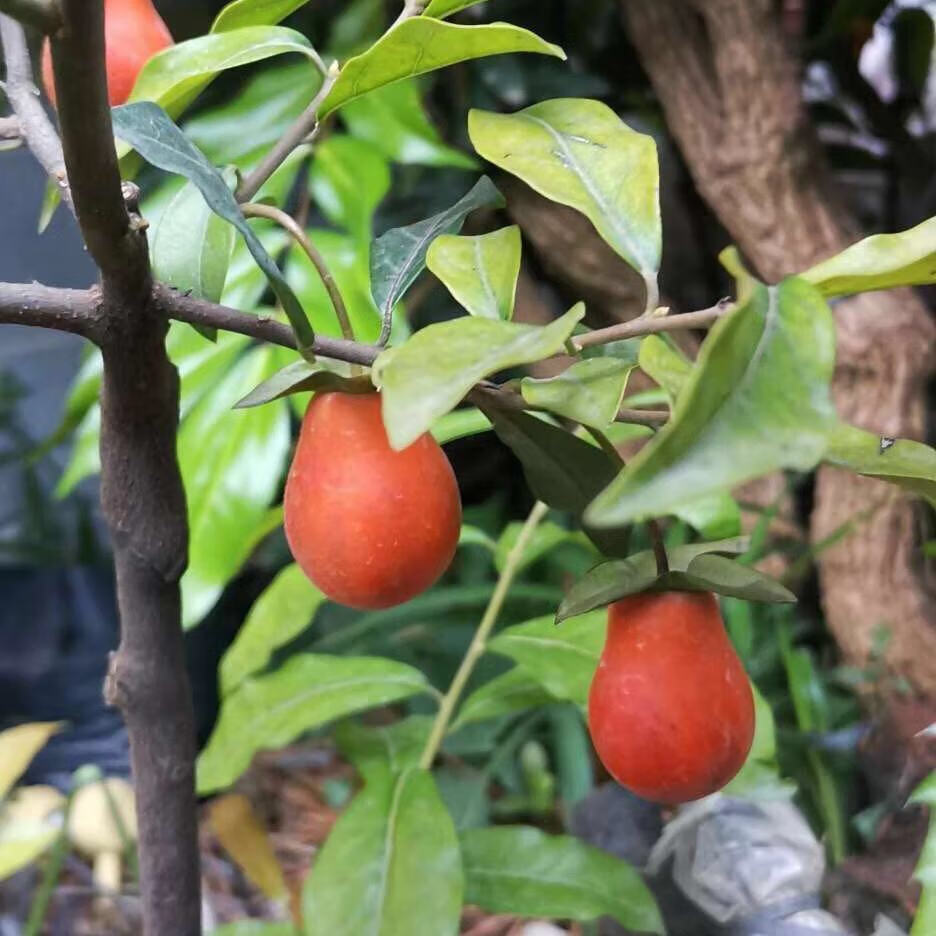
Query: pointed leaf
[[560, 469], [18, 747], [882, 261], [692, 568], [421, 45], [399, 255], [757, 400], [282, 611], [375, 749], [910, 465], [393, 119], [580, 153], [664, 364], [561, 659], [521, 870], [232, 462], [242, 13], [243, 837], [588, 392], [174, 77], [310, 690], [151, 132], [480, 272], [191, 246], [431, 373], [302, 376], [513, 691], [390, 866]]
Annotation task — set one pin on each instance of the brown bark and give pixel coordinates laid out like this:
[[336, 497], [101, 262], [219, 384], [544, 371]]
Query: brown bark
[[731, 93]]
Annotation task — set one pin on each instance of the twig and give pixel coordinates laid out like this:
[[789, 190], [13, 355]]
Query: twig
[[305, 124], [43, 15], [199, 312], [410, 8], [296, 231], [651, 324], [34, 126], [651, 418], [10, 129], [478, 643], [70, 310]]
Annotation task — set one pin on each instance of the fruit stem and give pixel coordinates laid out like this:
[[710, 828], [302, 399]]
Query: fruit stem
[[298, 234], [479, 642]]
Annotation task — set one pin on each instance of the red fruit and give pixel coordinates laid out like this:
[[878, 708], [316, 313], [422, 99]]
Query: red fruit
[[371, 527], [670, 711], [133, 33]]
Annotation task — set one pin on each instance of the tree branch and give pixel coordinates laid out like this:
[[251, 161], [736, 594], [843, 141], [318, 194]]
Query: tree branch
[[305, 124], [117, 246], [34, 126], [43, 15], [70, 310], [199, 312], [652, 324]]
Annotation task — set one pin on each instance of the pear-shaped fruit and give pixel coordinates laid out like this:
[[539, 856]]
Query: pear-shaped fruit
[[133, 33], [670, 711], [371, 527]]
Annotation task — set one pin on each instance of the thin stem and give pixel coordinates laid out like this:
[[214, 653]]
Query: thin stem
[[605, 444], [297, 134], [288, 223], [34, 125], [659, 548], [651, 324], [43, 15], [479, 642], [651, 418], [410, 9]]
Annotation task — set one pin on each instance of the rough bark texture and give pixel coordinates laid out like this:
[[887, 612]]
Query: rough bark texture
[[731, 94], [141, 487]]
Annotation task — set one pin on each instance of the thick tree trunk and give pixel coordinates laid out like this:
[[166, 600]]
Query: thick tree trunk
[[732, 98]]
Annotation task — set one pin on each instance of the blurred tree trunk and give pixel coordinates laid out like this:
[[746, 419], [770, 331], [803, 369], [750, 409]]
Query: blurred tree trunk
[[731, 93]]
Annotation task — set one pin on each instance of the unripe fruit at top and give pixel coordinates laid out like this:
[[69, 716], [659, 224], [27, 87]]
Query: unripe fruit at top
[[670, 710], [133, 33], [370, 526]]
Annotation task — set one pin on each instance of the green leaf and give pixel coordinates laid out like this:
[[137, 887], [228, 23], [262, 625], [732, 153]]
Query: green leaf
[[580, 153], [310, 690], [882, 261], [421, 45], [232, 462], [588, 392], [151, 132], [375, 749], [431, 373], [348, 180], [757, 400], [910, 465], [392, 118], [174, 77], [283, 610], [443, 8], [302, 376], [523, 871], [191, 246], [18, 746], [511, 692], [561, 659], [715, 516], [603, 584], [241, 13], [390, 866], [459, 424], [254, 927], [480, 272], [22, 842], [925, 871], [561, 469], [665, 365], [399, 255]]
